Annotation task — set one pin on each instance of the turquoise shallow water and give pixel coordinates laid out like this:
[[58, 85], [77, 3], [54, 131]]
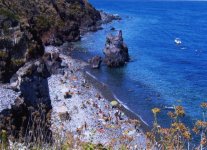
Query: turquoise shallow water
[[161, 73]]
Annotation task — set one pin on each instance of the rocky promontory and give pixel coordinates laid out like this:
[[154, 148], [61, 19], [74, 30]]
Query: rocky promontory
[[26, 26], [107, 18]]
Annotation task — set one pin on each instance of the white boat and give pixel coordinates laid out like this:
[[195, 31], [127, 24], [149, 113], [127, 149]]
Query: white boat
[[178, 41], [169, 107]]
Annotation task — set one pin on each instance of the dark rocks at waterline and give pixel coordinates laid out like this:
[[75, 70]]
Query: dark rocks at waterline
[[116, 51], [91, 29], [95, 62], [112, 29], [107, 18]]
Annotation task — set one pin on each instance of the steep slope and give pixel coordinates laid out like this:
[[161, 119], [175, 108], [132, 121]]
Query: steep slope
[[26, 26]]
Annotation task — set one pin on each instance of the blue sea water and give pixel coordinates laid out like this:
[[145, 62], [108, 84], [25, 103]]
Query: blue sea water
[[161, 72]]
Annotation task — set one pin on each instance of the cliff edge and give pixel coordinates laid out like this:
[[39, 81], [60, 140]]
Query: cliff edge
[[26, 26]]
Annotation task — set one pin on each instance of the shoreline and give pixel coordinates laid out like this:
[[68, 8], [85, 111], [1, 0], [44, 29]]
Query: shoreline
[[108, 95], [87, 113]]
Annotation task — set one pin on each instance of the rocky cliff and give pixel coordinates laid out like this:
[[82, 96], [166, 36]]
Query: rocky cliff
[[26, 26]]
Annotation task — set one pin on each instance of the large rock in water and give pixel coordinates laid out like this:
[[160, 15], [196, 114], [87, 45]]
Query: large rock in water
[[95, 62], [116, 51]]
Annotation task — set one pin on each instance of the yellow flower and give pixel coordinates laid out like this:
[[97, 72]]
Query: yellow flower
[[150, 136], [204, 105], [196, 130], [179, 126], [155, 110], [201, 124], [179, 111], [171, 114], [164, 131], [187, 135]]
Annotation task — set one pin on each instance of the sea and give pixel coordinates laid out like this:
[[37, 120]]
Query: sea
[[161, 73]]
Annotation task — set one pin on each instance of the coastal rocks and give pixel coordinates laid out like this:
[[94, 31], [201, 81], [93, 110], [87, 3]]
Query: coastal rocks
[[51, 22], [53, 62], [95, 62], [107, 18], [30, 98], [4, 61], [31, 81], [112, 29], [26, 27], [16, 45], [116, 51]]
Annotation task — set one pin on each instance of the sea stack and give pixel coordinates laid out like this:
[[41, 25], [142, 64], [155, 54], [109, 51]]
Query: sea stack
[[116, 51]]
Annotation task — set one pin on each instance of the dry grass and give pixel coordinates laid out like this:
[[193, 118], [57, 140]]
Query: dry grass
[[178, 136], [36, 136]]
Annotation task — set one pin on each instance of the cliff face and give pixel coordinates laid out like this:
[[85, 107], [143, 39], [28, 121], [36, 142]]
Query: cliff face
[[26, 26]]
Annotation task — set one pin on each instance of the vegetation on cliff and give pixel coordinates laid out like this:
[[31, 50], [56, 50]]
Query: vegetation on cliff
[[26, 26]]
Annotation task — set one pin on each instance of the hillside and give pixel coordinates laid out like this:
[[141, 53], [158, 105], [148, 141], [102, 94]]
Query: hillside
[[26, 26]]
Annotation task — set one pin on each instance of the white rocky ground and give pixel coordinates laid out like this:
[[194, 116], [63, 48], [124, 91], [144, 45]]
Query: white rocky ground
[[7, 97], [85, 112]]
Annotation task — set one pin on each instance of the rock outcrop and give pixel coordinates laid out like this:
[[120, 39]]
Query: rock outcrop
[[116, 51], [26, 101], [95, 62], [31, 107], [53, 62], [31, 81], [107, 18]]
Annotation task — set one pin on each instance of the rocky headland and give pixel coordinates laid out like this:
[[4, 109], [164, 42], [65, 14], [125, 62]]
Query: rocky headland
[[26, 26]]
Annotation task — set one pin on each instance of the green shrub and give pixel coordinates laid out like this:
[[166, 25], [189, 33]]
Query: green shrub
[[3, 54], [42, 23], [17, 62], [3, 139], [8, 14]]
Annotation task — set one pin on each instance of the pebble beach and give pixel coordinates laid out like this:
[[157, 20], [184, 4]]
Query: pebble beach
[[81, 109]]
